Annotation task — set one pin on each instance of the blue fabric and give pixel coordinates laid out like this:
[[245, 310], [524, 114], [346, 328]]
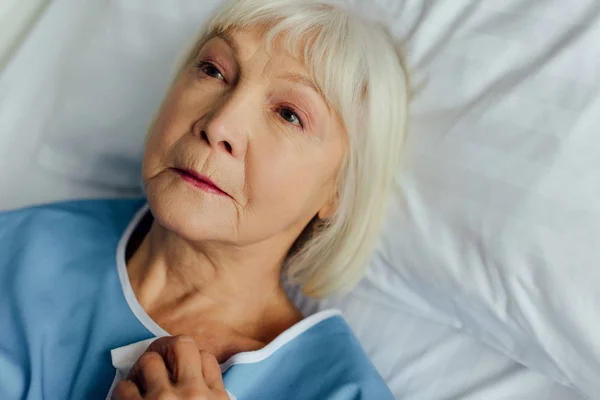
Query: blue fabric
[[62, 309], [61, 304], [324, 362]]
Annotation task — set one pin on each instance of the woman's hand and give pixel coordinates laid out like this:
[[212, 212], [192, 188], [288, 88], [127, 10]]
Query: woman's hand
[[171, 369]]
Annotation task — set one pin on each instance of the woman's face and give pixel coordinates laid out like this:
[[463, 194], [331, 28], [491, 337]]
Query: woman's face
[[253, 124]]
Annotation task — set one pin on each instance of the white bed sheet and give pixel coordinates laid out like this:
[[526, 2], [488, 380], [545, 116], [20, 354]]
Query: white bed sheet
[[16, 17], [423, 360], [418, 358]]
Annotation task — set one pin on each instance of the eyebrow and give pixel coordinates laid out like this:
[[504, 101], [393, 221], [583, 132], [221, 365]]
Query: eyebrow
[[291, 77]]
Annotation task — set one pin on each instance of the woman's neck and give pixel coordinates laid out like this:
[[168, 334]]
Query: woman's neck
[[238, 287]]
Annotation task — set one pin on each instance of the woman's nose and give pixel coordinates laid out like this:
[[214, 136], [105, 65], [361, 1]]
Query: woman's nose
[[226, 129]]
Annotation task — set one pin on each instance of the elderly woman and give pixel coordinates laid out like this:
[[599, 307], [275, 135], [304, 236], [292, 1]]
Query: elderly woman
[[268, 164]]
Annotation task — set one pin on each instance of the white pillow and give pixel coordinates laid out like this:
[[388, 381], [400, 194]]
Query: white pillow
[[15, 19], [496, 225], [496, 222]]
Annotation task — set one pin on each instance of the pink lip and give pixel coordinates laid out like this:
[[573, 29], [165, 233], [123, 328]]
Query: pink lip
[[199, 181]]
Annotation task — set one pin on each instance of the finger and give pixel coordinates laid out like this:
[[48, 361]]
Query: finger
[[211, 371], [150, 373], [182, 357], [126, 390]]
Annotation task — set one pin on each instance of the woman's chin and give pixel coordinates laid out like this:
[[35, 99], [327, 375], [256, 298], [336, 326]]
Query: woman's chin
[[189, 211]]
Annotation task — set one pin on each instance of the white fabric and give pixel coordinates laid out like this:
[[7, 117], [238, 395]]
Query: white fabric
[[423, 360], [16, 16], [495, 226]]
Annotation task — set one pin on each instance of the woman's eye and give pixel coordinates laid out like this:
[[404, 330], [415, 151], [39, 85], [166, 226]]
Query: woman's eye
[[210, 70], [290, 116]]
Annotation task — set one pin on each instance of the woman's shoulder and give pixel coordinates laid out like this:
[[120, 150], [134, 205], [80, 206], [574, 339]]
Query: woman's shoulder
[[61, 296], [320, 357], [332, 348], [61, 230]]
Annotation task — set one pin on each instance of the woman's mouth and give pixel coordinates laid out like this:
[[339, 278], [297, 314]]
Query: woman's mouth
[[199, 181]]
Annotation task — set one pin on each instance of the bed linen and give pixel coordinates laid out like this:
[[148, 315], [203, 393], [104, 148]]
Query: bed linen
[[16, 18], [42, 110]]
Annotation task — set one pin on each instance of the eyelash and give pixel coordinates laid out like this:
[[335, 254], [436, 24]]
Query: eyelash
[[293, 111], [202, 64]]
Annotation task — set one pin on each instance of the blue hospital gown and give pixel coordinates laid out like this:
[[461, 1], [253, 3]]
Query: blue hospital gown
[[66, 302]]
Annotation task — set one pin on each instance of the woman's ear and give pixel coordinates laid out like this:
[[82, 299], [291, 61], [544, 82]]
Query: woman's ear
[[328, 208]]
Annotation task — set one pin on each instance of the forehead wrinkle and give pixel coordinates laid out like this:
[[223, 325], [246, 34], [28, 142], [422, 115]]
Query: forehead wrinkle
[[225, 36]]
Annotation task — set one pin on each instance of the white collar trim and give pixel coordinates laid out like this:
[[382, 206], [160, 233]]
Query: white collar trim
[[132, 301], [287, 336]]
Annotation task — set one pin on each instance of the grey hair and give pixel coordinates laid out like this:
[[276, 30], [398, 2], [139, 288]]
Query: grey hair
[[360, 72]]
